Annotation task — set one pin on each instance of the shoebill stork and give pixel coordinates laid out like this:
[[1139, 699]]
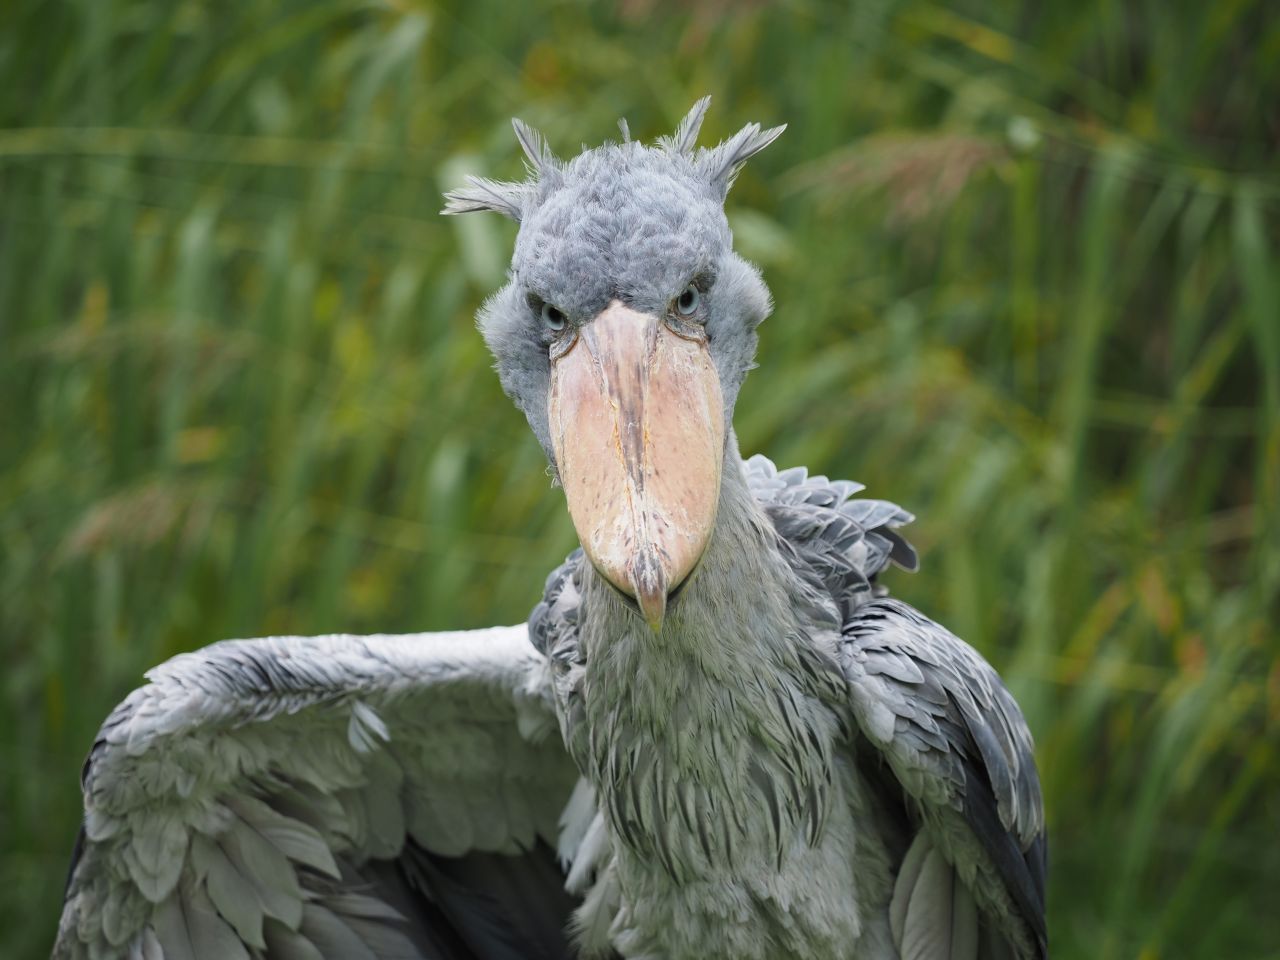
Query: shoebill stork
[[717, 735]]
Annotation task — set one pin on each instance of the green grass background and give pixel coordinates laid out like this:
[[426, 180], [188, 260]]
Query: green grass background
[[1025, 257]]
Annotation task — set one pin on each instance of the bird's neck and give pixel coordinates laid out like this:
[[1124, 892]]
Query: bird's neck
[[726, 708]]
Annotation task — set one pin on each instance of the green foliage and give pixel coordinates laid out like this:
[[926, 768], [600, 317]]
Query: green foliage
[[1025, 262]]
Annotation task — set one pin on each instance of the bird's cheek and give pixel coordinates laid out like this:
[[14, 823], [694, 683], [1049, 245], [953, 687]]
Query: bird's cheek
[[637, 424]]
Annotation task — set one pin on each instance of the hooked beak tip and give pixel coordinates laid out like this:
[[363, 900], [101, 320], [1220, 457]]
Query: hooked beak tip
[[649, 581], [654, 610]]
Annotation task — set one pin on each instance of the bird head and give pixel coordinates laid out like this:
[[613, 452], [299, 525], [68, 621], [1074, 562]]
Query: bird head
[[624, 333]]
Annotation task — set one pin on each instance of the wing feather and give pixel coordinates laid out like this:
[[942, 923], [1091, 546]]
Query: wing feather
[[146, 947], [957, 743], [230, 801], [937, 716], [333, 938], [286, 944], [294, 839], [932, 915], [232, 895], [908, 873], [189, 928], [267, 871]]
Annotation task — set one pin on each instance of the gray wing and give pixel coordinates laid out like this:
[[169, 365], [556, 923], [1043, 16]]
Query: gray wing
[[365, 797], [943, 742], [953, 738]]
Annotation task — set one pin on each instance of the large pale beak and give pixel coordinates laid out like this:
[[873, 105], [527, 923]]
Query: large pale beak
[[637, 423]]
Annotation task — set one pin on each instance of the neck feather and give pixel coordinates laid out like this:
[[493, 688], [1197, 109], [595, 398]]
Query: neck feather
[[723, 716]]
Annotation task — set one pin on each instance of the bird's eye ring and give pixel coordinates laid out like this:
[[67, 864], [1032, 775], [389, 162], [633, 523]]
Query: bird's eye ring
[[552, 318], [687, 303]]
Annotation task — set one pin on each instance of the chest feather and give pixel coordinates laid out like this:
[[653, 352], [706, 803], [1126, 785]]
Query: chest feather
[[704, 775]]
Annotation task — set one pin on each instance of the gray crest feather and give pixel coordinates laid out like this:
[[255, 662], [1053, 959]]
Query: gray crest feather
[[721, 164], [686, 135], [481, 193], [534, 145]]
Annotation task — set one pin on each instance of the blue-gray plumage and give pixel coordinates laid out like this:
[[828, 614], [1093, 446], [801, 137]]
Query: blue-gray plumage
[[717, 735]]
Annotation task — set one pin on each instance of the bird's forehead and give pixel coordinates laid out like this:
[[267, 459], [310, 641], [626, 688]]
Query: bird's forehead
[[621, 222]]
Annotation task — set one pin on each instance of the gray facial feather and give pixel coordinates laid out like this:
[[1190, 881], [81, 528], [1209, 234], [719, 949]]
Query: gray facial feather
[[620, 221]]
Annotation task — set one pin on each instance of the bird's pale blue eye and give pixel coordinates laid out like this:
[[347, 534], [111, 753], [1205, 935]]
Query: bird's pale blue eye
[[687, 302], [552, 318]]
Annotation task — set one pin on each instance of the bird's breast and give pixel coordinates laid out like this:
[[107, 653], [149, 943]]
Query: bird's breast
[[713, 777], [752, 889]]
